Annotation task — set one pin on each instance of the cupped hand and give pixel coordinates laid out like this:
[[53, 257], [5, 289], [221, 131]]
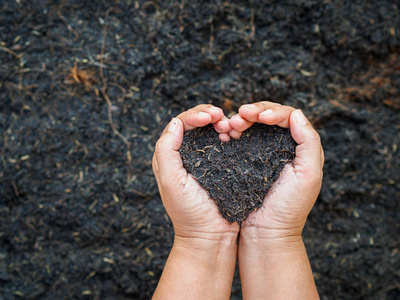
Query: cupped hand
[[291, 198], [192, 212]]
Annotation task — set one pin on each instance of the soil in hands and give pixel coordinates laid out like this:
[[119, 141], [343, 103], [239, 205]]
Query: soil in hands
[[237, 174]]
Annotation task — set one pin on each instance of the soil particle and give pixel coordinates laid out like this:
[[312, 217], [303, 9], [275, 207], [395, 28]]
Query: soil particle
[[237, 174]]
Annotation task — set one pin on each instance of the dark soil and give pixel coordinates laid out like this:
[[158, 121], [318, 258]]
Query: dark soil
[[80, 214], [237, 174]]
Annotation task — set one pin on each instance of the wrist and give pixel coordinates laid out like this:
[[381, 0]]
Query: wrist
[[262, 239], [207, 244], [213, 260], [200, 267], [277, 265]]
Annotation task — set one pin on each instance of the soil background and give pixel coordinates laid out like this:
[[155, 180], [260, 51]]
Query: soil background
[[86, 88]]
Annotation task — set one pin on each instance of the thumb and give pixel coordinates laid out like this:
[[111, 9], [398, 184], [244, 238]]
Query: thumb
[[167, 161], [308, 151]]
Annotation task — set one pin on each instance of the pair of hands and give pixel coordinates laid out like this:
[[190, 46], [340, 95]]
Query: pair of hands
[[272, 258], [283, 214]]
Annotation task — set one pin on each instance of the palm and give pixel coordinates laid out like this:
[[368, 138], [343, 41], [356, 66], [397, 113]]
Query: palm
[[280, 210], [200, 211]]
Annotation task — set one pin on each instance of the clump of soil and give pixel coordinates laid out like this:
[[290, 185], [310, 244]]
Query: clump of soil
[[237, 174]]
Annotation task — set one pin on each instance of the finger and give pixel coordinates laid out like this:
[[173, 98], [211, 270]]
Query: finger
[[223, 125], [276, 115], [250, 112], [239, 124], [167, 162], [235, 134], [263, 112], [200, 116], [224, 137], [308, 150]]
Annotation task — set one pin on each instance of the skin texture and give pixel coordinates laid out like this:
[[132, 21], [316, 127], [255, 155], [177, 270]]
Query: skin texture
[[204, 254], [272, 258]]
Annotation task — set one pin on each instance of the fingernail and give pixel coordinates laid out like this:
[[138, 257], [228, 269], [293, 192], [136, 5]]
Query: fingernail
[[249, 106], [266, 112], [173, 125], [300, 117]]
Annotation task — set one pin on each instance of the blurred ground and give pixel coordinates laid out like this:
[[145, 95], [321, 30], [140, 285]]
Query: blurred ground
[[87, 86]]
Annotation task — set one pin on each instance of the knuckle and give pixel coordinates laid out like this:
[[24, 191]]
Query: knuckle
[[269, 103], [203, 107], [264, 105], [154, 164], [289, 109], [160, 147], [314, 136]]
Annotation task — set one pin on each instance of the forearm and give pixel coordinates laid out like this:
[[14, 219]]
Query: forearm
[[199, 269], [275, 269]]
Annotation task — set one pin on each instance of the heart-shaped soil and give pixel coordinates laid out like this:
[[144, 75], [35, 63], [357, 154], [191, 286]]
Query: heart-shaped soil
[[237, 174]]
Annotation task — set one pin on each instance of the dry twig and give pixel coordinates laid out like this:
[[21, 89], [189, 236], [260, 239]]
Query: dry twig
[[110, 120]]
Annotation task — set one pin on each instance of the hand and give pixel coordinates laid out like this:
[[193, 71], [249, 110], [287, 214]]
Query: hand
[[288, 203], [203, 258], [193, 214], [271, 254]]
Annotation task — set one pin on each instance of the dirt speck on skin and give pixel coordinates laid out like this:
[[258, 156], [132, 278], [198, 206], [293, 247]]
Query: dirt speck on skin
[[237, 174]]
